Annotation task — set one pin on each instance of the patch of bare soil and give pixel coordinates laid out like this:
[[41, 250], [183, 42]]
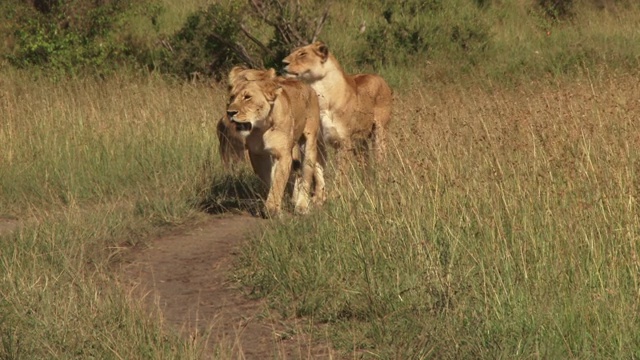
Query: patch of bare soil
[[187, 276]]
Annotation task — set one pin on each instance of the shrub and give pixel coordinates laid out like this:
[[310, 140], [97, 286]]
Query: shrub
[[258, 34], [556, 9], [73, 35], [204, 44], [412, 29]]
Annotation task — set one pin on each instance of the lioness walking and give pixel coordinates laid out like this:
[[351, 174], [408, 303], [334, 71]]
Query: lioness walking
[[276, 117]]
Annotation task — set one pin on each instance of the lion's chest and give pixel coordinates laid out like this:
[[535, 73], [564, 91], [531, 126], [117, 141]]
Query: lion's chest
[[333, 130]]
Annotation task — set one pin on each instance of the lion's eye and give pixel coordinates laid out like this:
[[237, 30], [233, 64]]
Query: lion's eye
[[303, 54], [246, 97]]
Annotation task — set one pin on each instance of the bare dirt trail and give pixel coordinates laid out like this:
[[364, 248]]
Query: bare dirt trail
[[187, 277]]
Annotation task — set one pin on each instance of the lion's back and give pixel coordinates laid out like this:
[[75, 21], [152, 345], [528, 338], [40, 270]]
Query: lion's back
[[373, 90]]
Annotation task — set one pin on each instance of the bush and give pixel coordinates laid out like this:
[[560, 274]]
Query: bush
[[412, 29], [259, 35], [556, 9], [204, 44], [73, 35]]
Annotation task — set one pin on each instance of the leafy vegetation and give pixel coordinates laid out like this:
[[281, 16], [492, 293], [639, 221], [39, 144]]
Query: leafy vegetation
[[411, 31], [503, 224], [212, 40], [506, 41], [203, 46], [68, 36]]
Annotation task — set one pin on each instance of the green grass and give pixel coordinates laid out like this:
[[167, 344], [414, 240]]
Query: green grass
[[60, 300], [89, 168], [504, 223], [94, 141], [506, 228], [522, 45]]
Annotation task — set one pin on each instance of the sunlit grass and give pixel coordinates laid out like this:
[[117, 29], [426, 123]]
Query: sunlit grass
[[90, 167], [503, 225], [98, 141]]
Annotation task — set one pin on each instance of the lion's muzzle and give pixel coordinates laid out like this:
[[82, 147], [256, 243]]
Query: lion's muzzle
[[241, 125], [287, 73]]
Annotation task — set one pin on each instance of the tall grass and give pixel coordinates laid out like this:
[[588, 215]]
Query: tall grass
[[90, 167], [59, 298], [503, 225], [99, 141]]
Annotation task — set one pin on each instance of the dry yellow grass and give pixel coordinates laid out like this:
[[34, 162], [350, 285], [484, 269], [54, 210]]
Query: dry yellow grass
[[504, 224]]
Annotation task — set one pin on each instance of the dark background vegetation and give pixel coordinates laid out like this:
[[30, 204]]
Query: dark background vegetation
[[96, 37]]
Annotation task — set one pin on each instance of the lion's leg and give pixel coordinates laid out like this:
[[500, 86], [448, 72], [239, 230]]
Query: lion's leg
[[261, 164], [308, 169], [320, 196], [279, 176], [361, 151], [345, 155], [281, 148], [379, 142], [297, 157], [382, 115]]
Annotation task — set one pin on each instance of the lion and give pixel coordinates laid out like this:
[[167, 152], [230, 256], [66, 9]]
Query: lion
[[276, 117], [353, 108], [231, 144]]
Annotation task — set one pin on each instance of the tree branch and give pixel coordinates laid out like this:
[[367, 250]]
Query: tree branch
[[262, 46], [321, 22], [240, 51]]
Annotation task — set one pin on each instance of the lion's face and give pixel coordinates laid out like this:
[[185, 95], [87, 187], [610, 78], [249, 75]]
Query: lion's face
[[250, 104], [306, 62]]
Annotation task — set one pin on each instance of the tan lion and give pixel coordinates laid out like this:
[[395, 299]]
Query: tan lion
[[353, 108], [276, 117], [231, 144]]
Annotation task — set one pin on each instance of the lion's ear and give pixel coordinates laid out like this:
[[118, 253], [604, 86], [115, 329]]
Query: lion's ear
[[234, 74], [272, 93], [322, 49]]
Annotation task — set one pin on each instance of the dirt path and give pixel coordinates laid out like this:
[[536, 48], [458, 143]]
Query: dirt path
[[187, 276]]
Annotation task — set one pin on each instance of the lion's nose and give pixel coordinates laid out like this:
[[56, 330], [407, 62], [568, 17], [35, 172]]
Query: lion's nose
[[231, 113], [285, 62]]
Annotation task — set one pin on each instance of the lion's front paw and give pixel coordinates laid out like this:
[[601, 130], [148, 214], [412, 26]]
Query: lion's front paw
[[319, 198], [272, 210], [301, 209]]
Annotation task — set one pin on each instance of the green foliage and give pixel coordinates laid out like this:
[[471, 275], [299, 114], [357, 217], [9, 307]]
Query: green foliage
[[74, 35], [556, 9], [410, 30], [504, 40], [491, 231], [292, 24], [204, 44], [214, 39]]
